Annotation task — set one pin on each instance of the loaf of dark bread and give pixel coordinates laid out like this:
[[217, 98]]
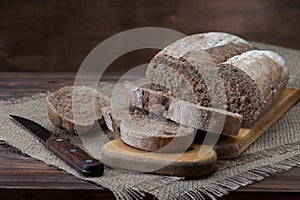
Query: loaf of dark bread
[[204, 67], [182, 112]]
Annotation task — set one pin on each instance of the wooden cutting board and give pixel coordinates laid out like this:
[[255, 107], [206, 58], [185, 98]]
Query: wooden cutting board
[[119, 155]]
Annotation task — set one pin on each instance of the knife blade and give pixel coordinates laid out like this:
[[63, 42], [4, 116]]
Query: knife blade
[[74, 156]]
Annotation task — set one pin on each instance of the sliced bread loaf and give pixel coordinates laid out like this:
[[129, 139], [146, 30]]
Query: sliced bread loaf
[[182, 112], [202, 67], [61, 112]]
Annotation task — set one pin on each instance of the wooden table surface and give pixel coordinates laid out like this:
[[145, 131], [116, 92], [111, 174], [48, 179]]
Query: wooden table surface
[[57, 35], [22, 177]]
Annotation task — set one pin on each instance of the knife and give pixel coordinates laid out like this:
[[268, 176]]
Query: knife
[[74, 156]]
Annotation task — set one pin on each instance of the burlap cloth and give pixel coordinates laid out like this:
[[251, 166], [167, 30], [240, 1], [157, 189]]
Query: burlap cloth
[[275, 151]]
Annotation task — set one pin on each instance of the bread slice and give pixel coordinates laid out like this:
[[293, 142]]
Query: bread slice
[[150, 134], [204, 67], [183, 112], [62, 114]]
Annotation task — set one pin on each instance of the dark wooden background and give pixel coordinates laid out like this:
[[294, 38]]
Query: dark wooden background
[[41, 35]]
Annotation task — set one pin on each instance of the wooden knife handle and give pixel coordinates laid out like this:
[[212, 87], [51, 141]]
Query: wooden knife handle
[[75, 157]]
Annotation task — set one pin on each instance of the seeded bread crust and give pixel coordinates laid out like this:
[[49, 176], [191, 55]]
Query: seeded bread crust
[[252, 79], [60, 112], [183, 112]]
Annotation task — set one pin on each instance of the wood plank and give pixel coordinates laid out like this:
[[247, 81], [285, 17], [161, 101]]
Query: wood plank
[[57, 35], [19, 170]]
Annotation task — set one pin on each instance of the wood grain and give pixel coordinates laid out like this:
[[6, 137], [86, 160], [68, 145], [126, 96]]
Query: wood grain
[[117, 154], [57, 35], [28, 179]]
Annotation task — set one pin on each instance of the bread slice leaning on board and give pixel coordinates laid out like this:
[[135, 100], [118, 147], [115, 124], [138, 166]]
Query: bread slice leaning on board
[[204, 67]]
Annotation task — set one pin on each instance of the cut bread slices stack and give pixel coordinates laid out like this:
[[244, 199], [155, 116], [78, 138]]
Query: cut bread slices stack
[[157, 121], [140, 129], [182, 112], [184, 80], [214, 82]]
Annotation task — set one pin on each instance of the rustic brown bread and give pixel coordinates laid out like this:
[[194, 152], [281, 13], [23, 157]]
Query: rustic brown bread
[[222, 71], [61, 114], [261, 78], [152, 134], [183, 112]]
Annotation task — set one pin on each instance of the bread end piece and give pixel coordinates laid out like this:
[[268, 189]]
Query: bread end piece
[[60, 113]]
